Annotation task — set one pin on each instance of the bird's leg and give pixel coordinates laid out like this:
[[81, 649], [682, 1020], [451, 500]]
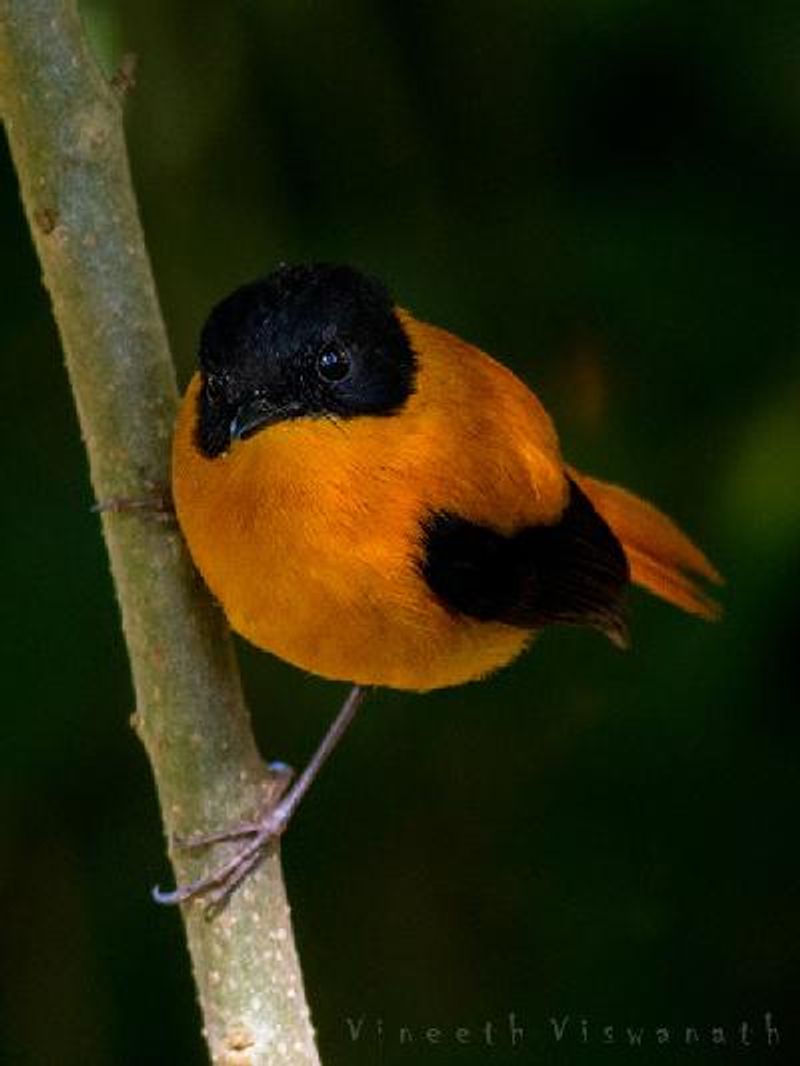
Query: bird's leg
[[157, 501], [280, 778], [218, 885]]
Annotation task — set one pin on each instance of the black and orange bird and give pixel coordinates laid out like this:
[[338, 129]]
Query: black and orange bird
[[377, 501]]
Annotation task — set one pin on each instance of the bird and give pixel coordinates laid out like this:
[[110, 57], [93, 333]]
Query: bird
[[377, 501]]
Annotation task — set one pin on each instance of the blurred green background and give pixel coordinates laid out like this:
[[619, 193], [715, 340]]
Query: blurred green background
[[603, 193]]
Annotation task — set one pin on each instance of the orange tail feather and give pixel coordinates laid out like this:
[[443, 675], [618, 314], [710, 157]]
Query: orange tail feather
[[661, 557]]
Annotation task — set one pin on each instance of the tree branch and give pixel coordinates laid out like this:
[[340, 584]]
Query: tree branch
[[63, 121]]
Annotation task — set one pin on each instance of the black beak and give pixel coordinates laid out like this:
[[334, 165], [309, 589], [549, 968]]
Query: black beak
[[255, 415]]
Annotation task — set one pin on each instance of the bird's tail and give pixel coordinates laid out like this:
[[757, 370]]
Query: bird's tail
[[661, 558]]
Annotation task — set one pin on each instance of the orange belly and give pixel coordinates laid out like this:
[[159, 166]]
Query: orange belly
[[318, 584]]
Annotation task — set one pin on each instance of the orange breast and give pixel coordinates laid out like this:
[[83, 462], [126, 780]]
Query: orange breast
[[309, 532]]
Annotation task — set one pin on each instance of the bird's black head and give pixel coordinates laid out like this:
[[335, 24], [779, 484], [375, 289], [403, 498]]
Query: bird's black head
[[307, 341]]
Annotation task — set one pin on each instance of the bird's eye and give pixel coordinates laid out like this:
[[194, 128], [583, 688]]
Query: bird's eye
[[333, 365], [213, 388]]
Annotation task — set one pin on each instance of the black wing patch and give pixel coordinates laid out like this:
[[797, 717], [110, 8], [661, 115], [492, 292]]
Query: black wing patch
[[574, 571]]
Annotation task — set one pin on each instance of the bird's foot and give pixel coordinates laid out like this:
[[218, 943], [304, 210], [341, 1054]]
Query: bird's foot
[[156, 501], [218, 885], [259, 835]]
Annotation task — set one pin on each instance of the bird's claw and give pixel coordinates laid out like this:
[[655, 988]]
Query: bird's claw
[[218, 885], [156, 501]]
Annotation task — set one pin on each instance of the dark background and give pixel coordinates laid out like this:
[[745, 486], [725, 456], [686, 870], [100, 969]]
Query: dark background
[[604, 194]]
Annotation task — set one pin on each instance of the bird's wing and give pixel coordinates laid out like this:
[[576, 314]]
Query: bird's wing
[[572, 571]]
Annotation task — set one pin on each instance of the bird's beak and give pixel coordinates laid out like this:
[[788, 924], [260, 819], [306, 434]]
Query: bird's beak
[[255, 415]]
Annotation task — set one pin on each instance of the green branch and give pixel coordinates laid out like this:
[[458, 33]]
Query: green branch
[[63, 122]]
